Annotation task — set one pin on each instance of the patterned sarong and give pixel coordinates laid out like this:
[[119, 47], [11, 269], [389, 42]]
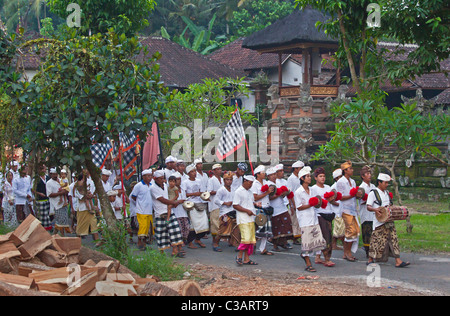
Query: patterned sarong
[[352, 230], [338, 227], [167, 234], [43, 213], [282, 226], [312, 239], [62, 218], [384, 243]]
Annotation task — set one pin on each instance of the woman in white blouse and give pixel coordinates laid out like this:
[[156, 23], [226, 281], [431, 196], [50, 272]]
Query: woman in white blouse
[[9, 211]]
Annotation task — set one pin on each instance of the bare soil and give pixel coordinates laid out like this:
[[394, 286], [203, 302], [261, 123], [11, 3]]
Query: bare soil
[[219, 281]]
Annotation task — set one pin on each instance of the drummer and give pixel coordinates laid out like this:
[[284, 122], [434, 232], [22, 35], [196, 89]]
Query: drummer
[[384, 234]]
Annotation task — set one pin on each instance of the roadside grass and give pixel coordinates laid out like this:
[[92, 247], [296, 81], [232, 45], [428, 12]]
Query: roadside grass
[[152, 262], [430, 234]]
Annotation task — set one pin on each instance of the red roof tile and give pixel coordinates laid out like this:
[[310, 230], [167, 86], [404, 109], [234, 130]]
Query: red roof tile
[[180, 67]]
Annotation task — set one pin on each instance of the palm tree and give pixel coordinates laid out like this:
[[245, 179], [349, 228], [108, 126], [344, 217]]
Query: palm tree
[[20, 11], [226, 9]]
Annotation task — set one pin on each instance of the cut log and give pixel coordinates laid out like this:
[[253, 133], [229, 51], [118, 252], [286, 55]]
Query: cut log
[[104, 267], [111, 288], [123, 278], [6, 266], [157, 289], [25, 268], [38, 241], [184, 287], [53, 258], [8, 250], [5, 238], [53, 288], [67, 245], [11, 290], [82, 287], [23, 233], [18, 281], [60, 275]]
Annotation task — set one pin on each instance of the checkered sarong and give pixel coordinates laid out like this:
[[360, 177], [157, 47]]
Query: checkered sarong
[[43, 213], [167, 234], [62, 217]]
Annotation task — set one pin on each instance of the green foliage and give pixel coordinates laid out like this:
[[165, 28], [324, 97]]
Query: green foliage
[[255, 15], [366, 128], [125, 16], [115, 241], [152, 262], [202, 42], [47, 29], [12, 96], [209, 102], [402, 21], [89, 89]]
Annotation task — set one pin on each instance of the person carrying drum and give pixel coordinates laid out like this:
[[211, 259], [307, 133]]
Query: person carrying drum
[[384, 240]]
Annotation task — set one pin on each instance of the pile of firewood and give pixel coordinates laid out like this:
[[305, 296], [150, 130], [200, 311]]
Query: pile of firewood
[[33, 262]]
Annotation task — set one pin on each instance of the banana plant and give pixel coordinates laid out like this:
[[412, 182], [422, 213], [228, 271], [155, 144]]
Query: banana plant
[[202, 38]]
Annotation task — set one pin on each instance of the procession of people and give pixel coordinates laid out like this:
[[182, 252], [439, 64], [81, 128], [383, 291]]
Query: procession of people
[[180, 205]]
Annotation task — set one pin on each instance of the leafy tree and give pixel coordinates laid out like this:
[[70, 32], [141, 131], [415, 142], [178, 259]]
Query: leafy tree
[[11, 95], [125, 16], [215, 109], [91, 88], [366, 132], [405, 22], [256, 15]]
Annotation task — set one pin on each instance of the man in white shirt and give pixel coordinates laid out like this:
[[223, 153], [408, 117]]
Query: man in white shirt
[[54, 192], [198, 216], [167, 230], [170, 169], [144, 207], [325, 215], [243, 203], [227, 214], [347, 187], [238, 176], [366, 217], [214, 184], [384, 240], [22, 192], [293, 183], [281, 218], [339, 225]]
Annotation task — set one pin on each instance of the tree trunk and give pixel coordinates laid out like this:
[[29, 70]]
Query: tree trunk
[[409, 226], [351, 63], [107, 211]]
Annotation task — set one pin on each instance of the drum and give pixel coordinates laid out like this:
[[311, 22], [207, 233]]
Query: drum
[[392, 213], [399, 213]]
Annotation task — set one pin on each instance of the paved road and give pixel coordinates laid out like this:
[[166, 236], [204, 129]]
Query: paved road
[[427, 273]]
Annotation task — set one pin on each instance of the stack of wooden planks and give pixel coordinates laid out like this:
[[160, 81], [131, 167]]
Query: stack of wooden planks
[[33, 262]]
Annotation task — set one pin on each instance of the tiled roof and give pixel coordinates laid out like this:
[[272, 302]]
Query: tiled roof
[[180, 67], [234, 55]]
